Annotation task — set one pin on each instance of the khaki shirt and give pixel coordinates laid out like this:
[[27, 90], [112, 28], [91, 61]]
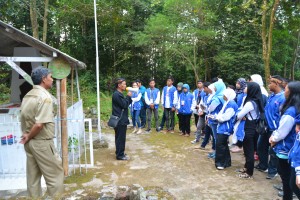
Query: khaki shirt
[[37, 107]]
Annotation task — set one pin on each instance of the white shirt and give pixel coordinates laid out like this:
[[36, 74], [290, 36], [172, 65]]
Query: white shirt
[[167, 103], [246, 111]]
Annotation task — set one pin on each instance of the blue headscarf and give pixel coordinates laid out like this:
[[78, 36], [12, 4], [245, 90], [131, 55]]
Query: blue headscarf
[[220, 87], [186, 86]]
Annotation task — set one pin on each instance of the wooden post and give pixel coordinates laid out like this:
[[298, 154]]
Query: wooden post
[[64, 129]]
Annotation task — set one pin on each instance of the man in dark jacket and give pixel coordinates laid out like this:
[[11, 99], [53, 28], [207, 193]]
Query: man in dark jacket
[[120, 108]]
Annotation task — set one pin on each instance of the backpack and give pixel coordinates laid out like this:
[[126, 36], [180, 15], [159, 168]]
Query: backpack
[[260, 121]]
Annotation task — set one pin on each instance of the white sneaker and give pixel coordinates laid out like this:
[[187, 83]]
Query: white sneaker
[[140, 131], [220, 168], [194, 141], [134, 130]]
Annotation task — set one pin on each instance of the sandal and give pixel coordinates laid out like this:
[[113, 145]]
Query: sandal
[[243, 170], [245, 176]]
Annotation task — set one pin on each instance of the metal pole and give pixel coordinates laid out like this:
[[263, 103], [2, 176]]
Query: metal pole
[[97, 71]]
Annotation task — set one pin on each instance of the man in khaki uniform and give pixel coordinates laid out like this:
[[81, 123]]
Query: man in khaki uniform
[[37, 125]]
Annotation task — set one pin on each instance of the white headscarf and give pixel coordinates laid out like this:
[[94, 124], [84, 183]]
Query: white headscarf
[[213, 91], [258, 79], [230, 95]]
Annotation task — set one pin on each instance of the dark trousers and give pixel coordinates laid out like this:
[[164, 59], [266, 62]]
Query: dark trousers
[[293, 185], [248, 145], [143, 116], [196, 116], [284, 170], [149, 116], [186, 124], [223, 158], [239, 144], [179, 121], [169, 114], [264, 151], [163, 120], [120, 140], [208, 133]]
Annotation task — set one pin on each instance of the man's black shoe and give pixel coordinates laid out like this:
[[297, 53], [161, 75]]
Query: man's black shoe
[[278, 187], [123, 158]]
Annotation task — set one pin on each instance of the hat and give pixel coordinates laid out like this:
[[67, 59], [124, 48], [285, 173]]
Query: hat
[[180, 84], [297, 119]]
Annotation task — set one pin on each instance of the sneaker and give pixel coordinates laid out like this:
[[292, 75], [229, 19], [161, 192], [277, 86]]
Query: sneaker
[[194, 141], [259, 168], [148, 130], [271, 176], [220, 168], [158, 130], [278, 187]]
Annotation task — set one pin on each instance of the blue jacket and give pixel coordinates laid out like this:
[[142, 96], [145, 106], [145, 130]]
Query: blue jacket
[[198, 96], [185, 102], [284, 146], [239, 99], [227, 126], [272, 110], [155, 92], [171, 93], [136, 105], [294, 157], [216, 111]]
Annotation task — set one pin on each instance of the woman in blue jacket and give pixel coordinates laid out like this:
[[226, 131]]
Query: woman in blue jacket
[[283, 138], [185, 109], [226, 118], [294, 159], [135, 109]]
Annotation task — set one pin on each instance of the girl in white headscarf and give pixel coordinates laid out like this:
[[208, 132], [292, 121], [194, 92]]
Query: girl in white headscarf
[[258, 79], [226, 118]]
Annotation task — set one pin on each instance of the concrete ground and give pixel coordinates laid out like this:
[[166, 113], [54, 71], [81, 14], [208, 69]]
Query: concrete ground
[[170, 162]]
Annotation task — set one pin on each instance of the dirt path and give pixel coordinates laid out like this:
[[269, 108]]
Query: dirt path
[[170, 161]]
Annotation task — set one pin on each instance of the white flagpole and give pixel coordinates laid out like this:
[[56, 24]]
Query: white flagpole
[[97, 71]]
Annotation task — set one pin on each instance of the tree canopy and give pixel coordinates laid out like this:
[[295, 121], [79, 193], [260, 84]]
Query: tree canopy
[[190, 40]]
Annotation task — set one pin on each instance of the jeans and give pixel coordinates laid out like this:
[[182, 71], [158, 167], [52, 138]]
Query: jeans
[[163, 120], [135, 118], [196, 116], [149, 116], [120, 140], [248, 145], [284, 170], [223, 158], [200, 127], [179, 121], [186, 124], [214, 130], [263, 150], [143, 115], [208, 133], [169, 114], [293, 185]]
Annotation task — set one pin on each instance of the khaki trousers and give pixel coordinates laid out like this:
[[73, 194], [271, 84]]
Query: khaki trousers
[[43, 159]]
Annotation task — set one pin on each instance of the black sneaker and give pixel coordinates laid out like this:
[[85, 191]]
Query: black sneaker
[[278, 187], [158, 130], [259, 168], [271, 176]]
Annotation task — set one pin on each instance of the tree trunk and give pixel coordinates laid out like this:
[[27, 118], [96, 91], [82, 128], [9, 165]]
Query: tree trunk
[[45, 21], [267, 37], [33, 19], [295, 57]]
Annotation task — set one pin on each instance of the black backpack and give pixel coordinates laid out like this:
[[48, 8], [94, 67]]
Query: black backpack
[[260, 121]]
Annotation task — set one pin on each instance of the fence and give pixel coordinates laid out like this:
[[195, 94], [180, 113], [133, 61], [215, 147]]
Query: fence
[[12, 154]]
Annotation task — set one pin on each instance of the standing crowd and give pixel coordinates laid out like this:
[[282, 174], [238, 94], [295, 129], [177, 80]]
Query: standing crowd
[[265, 126]]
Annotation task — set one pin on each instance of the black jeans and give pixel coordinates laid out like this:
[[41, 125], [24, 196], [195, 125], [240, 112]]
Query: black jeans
[[223, 158], [264, 151], [186, 124], [120, 140], [163, 120], [149, 116], [196, 116], [248, 145], [143, 116], [169, 114], [208, 133], [179, 121], [284, 170], [293, 185]]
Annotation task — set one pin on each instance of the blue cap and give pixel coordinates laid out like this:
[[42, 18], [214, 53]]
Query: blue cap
[[297, 119]]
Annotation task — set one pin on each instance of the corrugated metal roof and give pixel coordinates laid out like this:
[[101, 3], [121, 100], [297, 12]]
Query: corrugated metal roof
[[11, 37]]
